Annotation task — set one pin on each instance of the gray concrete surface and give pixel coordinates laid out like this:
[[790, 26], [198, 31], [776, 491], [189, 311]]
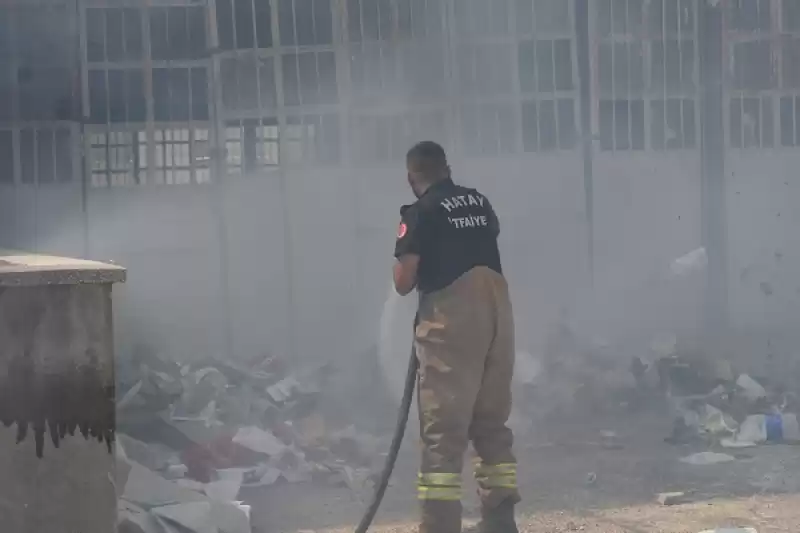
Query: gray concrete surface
[[56, 395], [19, 269], [760, 489]]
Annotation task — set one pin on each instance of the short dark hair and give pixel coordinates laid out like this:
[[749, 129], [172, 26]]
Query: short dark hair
[[427, 157]]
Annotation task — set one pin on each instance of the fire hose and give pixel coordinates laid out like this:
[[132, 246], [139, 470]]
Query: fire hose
[[394, 449]]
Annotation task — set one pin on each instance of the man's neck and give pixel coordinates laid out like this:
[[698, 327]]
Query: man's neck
[[428, 186]]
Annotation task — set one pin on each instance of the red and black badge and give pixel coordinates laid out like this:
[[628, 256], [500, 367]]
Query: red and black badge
[[402, 230]]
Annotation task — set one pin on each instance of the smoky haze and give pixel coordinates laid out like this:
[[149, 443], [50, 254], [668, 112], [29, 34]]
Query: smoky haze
[[253, 189]]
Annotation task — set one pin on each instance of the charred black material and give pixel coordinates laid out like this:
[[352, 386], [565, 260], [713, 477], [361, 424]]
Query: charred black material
[[56, 405], [47, 391]]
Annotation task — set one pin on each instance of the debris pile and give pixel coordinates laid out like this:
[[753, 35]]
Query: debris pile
[[710, 401], [713, 404], [573, 377], [190, 437]]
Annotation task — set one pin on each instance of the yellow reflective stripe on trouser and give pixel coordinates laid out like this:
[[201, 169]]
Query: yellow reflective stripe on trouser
[[439, 486], [497, 476]]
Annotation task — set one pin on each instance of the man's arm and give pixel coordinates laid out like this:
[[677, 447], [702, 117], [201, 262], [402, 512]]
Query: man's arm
[[405, 273], [407, 250]]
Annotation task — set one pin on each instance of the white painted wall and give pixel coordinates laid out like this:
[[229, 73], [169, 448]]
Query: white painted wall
[[341, 230]]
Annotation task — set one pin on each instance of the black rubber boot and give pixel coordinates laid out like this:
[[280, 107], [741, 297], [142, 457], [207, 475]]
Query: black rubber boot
[[497, 520]]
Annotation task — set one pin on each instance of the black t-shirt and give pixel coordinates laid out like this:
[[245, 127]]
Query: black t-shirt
[[453, 229]]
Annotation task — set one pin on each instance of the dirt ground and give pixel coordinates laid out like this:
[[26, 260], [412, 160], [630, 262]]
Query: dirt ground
[[571, 482]]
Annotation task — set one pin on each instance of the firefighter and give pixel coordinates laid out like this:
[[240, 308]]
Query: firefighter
[[447, 248]]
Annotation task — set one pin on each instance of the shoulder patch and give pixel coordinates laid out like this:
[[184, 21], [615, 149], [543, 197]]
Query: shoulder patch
[[402, 230]]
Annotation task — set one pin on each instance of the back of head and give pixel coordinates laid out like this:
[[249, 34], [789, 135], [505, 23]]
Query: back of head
[[428, 160]]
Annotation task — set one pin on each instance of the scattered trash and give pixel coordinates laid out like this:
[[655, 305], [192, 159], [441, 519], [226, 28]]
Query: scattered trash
[[152, 456], [752, 389], [708, 458], [134, 519], [203, 517], [673, 498], [789, 428], [734, 443], [760, 429], [190, 437], [227, 487], [694, 261], [259, 441], [609, 440], [715, 422], [696, 420], [178, 471]]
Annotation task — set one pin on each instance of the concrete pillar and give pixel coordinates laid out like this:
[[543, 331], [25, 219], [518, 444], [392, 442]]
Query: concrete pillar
[[714, 217], [56, 395]]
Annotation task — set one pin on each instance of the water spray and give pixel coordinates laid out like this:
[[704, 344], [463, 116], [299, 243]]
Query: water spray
[[394, 312], [394, 449]]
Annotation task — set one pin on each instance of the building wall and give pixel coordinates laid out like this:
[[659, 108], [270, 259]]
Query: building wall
[[316, 101]]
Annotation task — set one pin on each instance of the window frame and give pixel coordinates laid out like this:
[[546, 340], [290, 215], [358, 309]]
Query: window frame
[[540, 98], [775, 33], [646, 36]]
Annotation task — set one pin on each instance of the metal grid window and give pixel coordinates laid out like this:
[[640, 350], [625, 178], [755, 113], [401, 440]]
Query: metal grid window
[[180, 94], [147, 75], [177, 33], [305, 22], [396, 51], [45, 155], [373, 71], [116, 95], [244, 24], [307, 55], [485, 69], [646, 69], [39, 93], [234, 149], [386, 20], [311, 137], [114, 34], [547, 74], [6, 156], [398, 76], [484, 72], [120, 158], [371, 20], [488, 128], [310, 129], [474, 18], [789, 111], [38, 63], [300, 56], [115, 159], [8, 61], [173, 160], [248, 85], [387, 137], [267, 148], [764, 73], [252, 145], [309, 78]]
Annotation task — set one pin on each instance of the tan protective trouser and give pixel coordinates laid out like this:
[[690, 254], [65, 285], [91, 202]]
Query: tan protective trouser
[[465, 346]]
